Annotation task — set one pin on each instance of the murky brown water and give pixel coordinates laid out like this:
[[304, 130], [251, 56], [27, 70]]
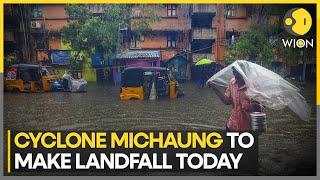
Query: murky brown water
[[288, 146]]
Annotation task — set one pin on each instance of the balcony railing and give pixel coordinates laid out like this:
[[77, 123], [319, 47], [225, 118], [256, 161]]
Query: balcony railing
[[204, 8], [204, 33]]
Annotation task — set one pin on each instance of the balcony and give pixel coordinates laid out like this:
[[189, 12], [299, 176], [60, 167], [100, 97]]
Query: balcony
[[204, 33], [204, 8]]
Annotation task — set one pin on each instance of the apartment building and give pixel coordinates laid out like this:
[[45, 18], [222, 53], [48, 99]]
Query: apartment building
[[184, 34], [46, 21], [230, 21], [168, 39], [203, 32], [16, 44], [187, 33]]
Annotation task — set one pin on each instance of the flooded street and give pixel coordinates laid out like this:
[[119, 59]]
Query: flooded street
[[101, 108], [289, 144]]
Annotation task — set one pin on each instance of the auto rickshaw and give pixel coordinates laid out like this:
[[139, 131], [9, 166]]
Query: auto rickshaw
[[29, 78], [143, 82]]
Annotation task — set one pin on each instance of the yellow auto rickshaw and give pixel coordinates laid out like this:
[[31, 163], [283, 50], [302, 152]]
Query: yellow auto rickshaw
[[29, 78], [144, 82]]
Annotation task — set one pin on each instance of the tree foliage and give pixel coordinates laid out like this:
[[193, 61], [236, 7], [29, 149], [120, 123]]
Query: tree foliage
[[263, 41], [87, 31], [252, 44]]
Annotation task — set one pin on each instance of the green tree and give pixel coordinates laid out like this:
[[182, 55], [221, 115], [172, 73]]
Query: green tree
[[87, 31], [253, 44], [263, 41]]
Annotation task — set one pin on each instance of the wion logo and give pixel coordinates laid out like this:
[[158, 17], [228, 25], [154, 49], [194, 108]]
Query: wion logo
[[297, 22]]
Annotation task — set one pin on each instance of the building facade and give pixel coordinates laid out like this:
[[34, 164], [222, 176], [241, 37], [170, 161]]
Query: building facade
[[184, 34], [46, 23], [170, 35], [187, 33], [230, 21], [203, 31], [16, 38]]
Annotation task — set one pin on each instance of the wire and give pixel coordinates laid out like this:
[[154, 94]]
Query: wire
[[186, 51]]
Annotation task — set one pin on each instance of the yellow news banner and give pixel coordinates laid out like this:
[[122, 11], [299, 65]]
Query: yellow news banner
[[163, 1]]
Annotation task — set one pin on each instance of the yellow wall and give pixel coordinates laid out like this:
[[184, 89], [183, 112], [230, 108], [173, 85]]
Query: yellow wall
[[89, 73]]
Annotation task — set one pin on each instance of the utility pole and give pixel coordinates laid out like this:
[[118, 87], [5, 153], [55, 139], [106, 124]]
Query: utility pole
[[24, 32]]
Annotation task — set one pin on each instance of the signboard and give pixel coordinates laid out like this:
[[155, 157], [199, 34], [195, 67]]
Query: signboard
[[60, 57], [97, 60]]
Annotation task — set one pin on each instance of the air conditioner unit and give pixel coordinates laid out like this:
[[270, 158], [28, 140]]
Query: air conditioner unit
[[35, 25]]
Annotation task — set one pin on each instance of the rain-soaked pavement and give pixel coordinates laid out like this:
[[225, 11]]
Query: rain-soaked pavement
[[288, 147]]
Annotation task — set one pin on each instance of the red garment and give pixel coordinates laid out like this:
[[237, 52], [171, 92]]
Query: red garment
[[241, 107]]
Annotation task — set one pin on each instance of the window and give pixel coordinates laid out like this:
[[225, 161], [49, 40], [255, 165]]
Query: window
[[124, 36], [36, 11], [135, 42], [231, 37], [201, 21], [171, 40], [172, 10], [231, 10]]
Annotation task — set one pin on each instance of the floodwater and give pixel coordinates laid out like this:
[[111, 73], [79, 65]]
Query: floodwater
[[288, 146]]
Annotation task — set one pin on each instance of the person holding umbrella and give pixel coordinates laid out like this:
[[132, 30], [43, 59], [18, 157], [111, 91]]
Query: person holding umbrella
[[242, 106], [202, 71]]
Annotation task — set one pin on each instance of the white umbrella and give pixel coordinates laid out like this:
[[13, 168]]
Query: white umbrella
[[264, 86]]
